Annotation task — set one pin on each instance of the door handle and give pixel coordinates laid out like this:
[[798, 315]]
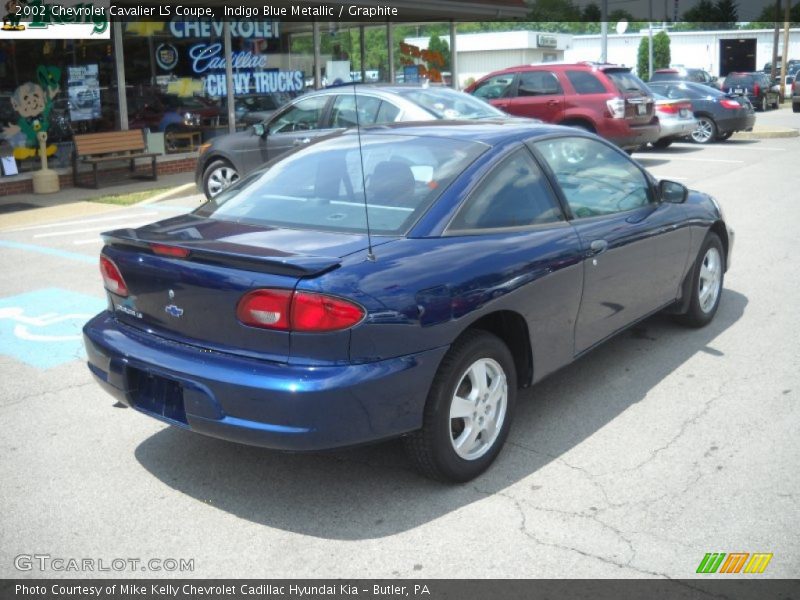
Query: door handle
[[598, 246], [302, 141]]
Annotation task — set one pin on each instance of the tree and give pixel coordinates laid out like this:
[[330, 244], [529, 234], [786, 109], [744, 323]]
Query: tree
[[722, 14], [661, 54], [437, 44]]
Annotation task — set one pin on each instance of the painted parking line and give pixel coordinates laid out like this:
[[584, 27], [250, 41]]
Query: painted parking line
[[85, 258], [137, 215], [86, 230], [97, 240], [43, 328], [692, 158], [670, 177]]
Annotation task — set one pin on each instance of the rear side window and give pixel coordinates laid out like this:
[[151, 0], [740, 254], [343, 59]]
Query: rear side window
[[625, 81], [303, 116], [515, 194], [494, 87], [344, 113], [733, 80], [538, 83], [585, 82]]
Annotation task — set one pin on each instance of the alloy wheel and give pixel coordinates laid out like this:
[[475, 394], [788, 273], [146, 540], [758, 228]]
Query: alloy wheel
[[704, 132], [478, 408], [221, 178], [710, 280]]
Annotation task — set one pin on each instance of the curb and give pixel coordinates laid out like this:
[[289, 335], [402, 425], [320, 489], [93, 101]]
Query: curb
[[176, 192], [767, 134]]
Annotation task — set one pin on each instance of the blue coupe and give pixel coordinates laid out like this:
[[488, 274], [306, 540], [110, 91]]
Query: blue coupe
[[404, 280]]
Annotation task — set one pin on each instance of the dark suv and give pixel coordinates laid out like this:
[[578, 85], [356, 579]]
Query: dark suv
[[796, 93], [756, 86], [606, 99], [685, 74]]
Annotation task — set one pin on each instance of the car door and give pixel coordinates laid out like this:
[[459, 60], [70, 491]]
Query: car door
[[635, 249], [525, 255], [295, 125], [538, 95]]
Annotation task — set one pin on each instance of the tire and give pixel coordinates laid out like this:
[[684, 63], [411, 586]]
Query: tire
[[763, 104], [446, 448], [708, 275], [219, 174], [724, 136], [706, 131], [796, 107], [777, 104], [663, 143]]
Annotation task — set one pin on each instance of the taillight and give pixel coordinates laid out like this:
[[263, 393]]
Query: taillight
[[732, 104], [756, 90], [288, 310], [112, 278], [669, 109], [616, 106], [166, 250]]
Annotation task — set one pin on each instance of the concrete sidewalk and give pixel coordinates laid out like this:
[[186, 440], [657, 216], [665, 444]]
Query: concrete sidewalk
[[27, 209]]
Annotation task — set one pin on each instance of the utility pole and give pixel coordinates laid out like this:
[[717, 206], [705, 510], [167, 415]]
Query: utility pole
[[604, 32], [650, 42], [775, 39], [786, 19]]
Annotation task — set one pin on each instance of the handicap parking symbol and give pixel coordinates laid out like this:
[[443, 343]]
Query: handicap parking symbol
[[43, 328]]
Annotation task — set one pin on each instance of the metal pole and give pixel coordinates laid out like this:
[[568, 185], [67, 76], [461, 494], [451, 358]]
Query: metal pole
[[650, 43], [390, 48], [362, 51], [317, 57], [453, 56], [776, 39], [784, 62], [604, 32], [229, 91], [119, 58]]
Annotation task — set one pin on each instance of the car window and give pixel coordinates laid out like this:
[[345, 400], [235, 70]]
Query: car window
[[444, 103], [387, 113], [595, 179], [351, 111], [514, 194], [625, 81], [585, 82], [538, 83], [302, 116], [322, 188], [494, 87]]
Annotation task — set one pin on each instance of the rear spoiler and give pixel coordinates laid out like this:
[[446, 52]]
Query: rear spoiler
[[247, 258]]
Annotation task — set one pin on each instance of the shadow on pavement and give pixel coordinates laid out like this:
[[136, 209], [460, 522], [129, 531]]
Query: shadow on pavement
[[371, 492]]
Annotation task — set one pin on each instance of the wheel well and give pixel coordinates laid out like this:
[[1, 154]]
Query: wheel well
[[574, 122], [511, 327], [722, 232]]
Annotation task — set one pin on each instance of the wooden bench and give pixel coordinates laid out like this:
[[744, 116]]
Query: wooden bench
[[98, 148]]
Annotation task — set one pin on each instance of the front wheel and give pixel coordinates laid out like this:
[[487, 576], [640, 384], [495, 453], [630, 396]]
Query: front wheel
[[706, 131], [707, 275], [219, 175], [468, 411], [662, 143]]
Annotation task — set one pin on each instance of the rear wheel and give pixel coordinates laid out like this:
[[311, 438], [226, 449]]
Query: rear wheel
[[706, 131], [662, 143], [763, 104], [795, 107], [219, 175], [707, 278], [468, 411]]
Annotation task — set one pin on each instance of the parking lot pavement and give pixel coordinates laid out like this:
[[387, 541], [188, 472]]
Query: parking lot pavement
[[660, 446]]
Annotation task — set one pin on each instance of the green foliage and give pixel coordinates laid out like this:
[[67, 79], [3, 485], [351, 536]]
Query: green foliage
[[708, 15], [437, 44], [766, 20], [661, 54]]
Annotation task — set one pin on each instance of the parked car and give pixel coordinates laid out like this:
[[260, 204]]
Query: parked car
[[796, 93], [719, 115], [227, 158], [496, 253], [676, 117], [604, 99], [757, 87], [685, 74]]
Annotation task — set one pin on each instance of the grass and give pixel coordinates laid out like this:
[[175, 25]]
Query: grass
[[128, 198]]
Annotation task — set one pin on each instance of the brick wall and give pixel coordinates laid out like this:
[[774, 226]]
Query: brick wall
[[23, 184]]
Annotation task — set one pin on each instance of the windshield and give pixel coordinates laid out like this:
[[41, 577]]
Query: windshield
[[322, 188], [449, 104]]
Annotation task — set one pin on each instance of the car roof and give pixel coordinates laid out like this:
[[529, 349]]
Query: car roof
[[492, 132], [555, 65]]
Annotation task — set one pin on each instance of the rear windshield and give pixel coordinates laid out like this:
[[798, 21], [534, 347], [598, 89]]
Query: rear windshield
[[626, 81], [448, 104], [739, 80], [666, 76], [322, 188]]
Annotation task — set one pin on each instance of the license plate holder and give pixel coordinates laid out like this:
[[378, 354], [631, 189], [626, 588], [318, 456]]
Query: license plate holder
[[641, 109], [157, 395]]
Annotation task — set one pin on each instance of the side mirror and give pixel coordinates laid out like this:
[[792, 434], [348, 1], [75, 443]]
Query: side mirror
[[259, 130], [672, 191]]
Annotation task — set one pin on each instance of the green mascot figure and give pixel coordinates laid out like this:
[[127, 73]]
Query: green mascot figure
[[33, 102]]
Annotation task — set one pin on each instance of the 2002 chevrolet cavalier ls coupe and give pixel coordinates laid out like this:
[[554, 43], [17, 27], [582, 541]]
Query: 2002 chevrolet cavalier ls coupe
[[500, 252]]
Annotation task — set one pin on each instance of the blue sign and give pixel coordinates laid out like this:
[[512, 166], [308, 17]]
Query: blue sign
[[43, 328]]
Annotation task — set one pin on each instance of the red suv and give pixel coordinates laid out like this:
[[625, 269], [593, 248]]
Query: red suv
[[606, 99]]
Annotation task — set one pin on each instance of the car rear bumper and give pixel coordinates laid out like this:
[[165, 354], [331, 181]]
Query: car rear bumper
[[274, 405], [739, 123], [625, 135], [677, 128]]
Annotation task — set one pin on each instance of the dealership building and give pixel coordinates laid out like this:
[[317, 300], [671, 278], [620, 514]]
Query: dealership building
[[186, 80]]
